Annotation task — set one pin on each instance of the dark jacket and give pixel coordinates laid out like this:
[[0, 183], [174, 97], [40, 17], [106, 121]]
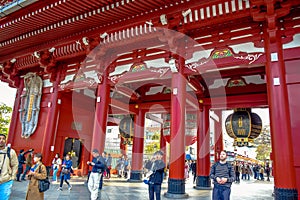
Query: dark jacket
[[158, 172], [99, 164]]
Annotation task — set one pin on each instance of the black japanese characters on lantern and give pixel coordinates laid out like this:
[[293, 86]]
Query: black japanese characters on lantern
[[244, 126]]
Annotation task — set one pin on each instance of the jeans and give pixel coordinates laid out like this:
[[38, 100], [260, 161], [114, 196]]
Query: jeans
[[62, 179], [237, 177], [20, 171], [5, 189], [25, 172], [154, 188], [243, 176], [54, 177], [221, 193]]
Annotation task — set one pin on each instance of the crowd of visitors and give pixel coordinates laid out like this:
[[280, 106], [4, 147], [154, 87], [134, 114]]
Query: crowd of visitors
[[102, 166]]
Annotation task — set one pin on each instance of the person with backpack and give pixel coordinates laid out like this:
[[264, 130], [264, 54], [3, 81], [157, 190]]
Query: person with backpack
[[222, 174], [8, 167]]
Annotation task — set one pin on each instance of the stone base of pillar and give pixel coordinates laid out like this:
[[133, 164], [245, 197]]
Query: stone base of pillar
[[176, 189], [136, 176], [282, 194], [203, 183]]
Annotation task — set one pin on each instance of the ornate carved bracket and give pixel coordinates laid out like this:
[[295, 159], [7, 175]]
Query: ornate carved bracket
[[270, 11], [88, 44], [10, 73]]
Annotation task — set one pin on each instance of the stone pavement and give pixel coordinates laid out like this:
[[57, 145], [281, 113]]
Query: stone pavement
[[120, 189]]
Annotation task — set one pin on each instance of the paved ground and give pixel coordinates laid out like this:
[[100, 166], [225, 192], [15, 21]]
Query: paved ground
[[120, 189]]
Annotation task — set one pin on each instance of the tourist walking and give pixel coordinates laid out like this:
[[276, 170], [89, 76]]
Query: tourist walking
[[108, 165], [237, 172], [156, 177], [96, 174], [222, 174], [268, 170], [37, 172], [194, 170], [56, 163], [65, 174], [28, 163], [9, 167], [261, 173]]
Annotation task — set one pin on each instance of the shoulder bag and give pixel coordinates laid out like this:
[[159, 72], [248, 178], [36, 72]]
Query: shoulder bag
[[44, 184]]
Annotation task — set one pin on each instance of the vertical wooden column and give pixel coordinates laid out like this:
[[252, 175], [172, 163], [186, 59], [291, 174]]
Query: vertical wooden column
[[218, 136], [15, 114], [282, 147], [101, 113], [203, 151], [136, 173], [176, 182], [51, 122]]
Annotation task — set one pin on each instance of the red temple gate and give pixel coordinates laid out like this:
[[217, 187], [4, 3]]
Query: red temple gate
[[104, 58]]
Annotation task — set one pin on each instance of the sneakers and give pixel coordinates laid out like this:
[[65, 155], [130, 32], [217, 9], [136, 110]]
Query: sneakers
[[59, 189], [70, 187]]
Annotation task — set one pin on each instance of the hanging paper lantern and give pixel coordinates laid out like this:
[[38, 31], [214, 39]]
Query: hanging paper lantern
[[244, 126], [190, 128]]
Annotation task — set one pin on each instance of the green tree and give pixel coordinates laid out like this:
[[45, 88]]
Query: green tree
[[263, 144], [5, 117], [263, 152]]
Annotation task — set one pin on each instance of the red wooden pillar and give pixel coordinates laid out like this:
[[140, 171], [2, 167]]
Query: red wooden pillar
[[101, 113], [163, 145], [136, 173], [218, 136], [51, 123], [176, 182], [203, 151], [282, 147], [15, 114]]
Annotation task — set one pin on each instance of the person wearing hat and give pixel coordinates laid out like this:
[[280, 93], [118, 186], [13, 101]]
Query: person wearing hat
[[8, 167], [156, 176], [98, 167]]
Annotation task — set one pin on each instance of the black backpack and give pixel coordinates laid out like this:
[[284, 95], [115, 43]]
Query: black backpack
[[7, 151], [8, 155]]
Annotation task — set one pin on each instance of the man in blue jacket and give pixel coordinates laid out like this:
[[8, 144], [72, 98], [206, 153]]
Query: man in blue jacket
[[156, 177], [96, 173]]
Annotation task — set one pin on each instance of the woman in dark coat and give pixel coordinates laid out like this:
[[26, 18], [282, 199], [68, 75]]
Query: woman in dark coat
[[37, 172]]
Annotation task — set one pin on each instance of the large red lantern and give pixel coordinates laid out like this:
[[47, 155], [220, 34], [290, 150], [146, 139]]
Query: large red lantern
[[190, 128], [244, 126]]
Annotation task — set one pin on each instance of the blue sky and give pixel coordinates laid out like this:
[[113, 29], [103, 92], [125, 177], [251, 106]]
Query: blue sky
[[7, 94]]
